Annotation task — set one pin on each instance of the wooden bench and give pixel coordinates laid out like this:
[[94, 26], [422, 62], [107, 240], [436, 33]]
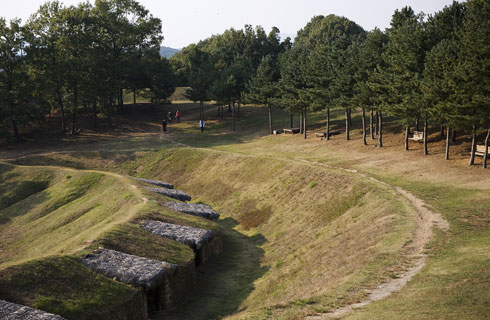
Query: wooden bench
[[480, 150], [291, 130], [323, 135], [417, 136]]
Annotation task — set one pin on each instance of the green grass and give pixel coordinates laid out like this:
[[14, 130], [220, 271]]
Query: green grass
[[455, 284], [131, 239], [71, 214], [274, 200], [301, 237], [61, 285]]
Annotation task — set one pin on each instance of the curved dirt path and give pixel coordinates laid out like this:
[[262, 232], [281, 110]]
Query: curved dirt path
[[426, 220]]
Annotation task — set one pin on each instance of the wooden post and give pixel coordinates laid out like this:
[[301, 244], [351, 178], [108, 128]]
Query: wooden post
[[376, 123]]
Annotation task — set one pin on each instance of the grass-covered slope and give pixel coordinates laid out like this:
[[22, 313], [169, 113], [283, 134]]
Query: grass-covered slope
[[319, 235], [51, 216], [70, 212]]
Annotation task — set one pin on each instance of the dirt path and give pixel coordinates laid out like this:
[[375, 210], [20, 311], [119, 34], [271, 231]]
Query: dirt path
[[425, 218]]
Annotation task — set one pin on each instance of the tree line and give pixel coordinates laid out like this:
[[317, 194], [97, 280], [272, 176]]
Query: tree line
[[422, 70], [65, 58]]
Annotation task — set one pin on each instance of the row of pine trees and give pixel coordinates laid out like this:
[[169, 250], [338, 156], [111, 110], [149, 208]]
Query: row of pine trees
[[422, 70]]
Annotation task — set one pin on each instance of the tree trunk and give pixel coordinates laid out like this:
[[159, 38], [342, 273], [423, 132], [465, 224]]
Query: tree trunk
[[376, 123], [238, 115], [291, 120], [448, 142], [120, 99], [222, 112], [16, 130], [407, 132], [347, 123], [229, 107], [233, 117], [301, 122], [74, 112], [73, 125], [304, 124], [442, 130], [94, 111], [364, 126], [350, 117], [473, 146], [371, 124], [453, 136], [109, 114], [417, 122], [134, 96], [270, 117], [62, 110], [426, 151], [380, 129], [327, 133], [485, 156]]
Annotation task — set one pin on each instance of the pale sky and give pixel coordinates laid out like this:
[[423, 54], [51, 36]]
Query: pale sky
[[188, 21]]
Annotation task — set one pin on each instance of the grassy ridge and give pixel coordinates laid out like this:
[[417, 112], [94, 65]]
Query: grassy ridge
[[61, 285], [49, 212], [310, 238], [313, 222]]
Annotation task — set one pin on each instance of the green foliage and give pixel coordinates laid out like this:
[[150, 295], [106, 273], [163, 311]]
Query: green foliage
[[19, 102], [472, 73], [397, 81]]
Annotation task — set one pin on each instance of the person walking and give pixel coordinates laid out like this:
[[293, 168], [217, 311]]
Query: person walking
[[177, 116], [164, 126], [202, 124]]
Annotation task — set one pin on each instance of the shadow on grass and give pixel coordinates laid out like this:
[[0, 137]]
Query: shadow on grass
[[224, 283]]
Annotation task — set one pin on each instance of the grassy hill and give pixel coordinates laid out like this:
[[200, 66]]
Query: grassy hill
[[308, 225]]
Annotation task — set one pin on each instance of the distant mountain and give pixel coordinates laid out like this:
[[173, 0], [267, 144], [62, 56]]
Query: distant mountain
[[168, 52]]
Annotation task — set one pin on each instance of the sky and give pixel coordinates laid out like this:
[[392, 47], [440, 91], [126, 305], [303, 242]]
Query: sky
[[188, 21]]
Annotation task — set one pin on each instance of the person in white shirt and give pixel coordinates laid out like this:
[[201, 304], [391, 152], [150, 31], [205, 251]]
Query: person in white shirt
[[202, 124]]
